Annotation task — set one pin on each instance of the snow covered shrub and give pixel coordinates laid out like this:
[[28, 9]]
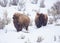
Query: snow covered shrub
[[54, 38], [22, 36], [3, 3], [55, 10], [14, 2], [21, 5], [34, 1], [39, 39], [59, 38], [50, 20], [4, 21], [5, 18], [2, 25], [42, 5], [27, 41], [57, 22]]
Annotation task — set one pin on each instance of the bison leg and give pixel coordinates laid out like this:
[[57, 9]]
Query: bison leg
[[26, 28], [19, 28], [16, 26], [38, 24]]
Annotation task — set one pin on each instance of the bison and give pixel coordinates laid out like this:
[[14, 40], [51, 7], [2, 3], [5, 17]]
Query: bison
[[41, 20], [20, 21]]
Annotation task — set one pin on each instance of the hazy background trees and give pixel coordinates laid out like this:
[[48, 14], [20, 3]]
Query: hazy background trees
[[55, 11]]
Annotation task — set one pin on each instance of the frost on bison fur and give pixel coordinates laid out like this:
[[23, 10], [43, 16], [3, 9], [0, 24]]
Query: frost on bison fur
[[41, 20], [20, 21]]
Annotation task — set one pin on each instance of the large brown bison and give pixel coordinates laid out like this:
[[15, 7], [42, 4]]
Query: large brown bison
[[20, 21], [41, 20]]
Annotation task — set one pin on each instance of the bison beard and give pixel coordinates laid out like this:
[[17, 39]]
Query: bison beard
[[20, 21], [17, 26]]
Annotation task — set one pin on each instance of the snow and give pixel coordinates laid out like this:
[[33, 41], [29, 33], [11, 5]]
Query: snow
[[46, 33]]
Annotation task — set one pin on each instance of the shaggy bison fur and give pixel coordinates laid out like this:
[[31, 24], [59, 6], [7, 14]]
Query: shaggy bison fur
[[41, 20], [20, 21]]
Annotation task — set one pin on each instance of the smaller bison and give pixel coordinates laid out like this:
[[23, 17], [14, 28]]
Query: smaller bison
[[20, 21], [41, 20]]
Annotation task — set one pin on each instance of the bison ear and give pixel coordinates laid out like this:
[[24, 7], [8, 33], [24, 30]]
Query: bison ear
[[13, 17], [38, 14]]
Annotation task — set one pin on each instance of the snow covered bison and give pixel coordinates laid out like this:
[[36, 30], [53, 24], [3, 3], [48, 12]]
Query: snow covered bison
[[41, 20], [20, 21]]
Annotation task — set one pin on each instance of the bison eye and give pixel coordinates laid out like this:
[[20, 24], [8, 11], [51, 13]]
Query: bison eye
[[13, 17]]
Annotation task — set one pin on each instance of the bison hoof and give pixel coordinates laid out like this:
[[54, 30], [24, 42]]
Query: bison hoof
[[38, 26], [44, 24], [19, 30]]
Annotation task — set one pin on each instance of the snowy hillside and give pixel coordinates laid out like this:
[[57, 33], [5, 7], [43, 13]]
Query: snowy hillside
[[46, 34]]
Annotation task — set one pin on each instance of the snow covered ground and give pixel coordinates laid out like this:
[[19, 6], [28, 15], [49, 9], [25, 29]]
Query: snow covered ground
[[48, 34], [45, 34]]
